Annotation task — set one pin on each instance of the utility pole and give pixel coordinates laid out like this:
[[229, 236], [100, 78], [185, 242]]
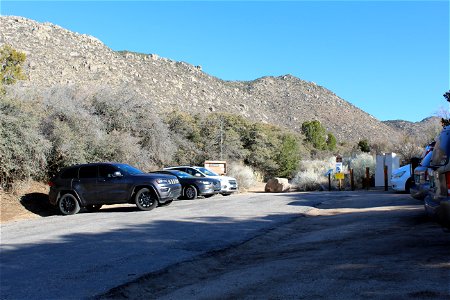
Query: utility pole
[[221, 138]]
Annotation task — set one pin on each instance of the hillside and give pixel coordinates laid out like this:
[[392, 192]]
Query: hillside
[[56, 56], [422, 131]]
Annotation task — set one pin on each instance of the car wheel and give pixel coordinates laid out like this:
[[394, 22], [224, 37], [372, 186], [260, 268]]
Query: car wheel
[[93, 208], [68, 204], [190, 192], [145, 199]]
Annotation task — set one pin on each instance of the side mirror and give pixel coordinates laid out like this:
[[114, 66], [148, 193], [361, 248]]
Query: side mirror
[[117, 174]]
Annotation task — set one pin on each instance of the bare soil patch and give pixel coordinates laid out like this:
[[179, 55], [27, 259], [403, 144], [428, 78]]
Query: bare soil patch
[[28, 201]]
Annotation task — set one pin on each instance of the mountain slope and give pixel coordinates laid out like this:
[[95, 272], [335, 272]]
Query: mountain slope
[[57, 56], [424, 131]]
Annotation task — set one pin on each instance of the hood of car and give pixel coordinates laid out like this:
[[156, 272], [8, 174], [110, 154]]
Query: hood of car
[[222, 178], [406, 168]]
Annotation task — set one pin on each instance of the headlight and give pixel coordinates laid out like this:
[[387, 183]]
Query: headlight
[[162, 181], [398, 175], [167, 181]]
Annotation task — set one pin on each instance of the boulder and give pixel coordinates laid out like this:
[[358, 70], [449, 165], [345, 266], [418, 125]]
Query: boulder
[[277, 185]]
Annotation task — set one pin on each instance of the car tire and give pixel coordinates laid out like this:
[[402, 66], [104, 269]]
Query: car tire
[[93, 207], [145, 199], [68, 204], [190, 192]]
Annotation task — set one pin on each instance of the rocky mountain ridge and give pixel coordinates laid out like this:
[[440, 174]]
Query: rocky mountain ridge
[[56, 56]]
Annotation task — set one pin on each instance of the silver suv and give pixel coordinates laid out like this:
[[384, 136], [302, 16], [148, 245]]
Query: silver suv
[[228, 185]]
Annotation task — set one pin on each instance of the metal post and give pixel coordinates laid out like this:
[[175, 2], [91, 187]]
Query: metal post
[[329, 182], [386, 178], [352, 180], [367, 178]]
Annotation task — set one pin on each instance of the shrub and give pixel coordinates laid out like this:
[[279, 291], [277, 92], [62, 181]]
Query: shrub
[[309, 180], [315, 134], [331, 142], [311, 176], [23, 150], [244, 175], [359, 165], [364, 146], [288, 156], [11, 62]]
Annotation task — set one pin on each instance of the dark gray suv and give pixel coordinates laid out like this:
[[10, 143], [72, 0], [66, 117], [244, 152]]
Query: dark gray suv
[[93, 185]]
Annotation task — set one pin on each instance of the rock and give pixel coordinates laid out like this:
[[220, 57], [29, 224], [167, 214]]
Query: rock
[[277, 185]]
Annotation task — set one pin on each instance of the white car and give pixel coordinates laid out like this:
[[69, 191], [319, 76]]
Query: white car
[[401, 179], [229, 185]]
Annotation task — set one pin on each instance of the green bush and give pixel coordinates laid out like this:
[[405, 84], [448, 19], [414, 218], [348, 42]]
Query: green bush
[[364, 146], [11, 62], [315, 134], [288, 156]]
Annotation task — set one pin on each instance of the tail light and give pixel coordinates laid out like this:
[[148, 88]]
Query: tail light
[[447, 179], [51, 183]]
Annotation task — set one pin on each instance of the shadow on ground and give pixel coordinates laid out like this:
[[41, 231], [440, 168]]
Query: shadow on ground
[[39, 204]]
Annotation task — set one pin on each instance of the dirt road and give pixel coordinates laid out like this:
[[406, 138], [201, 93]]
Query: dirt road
[[352, 246]]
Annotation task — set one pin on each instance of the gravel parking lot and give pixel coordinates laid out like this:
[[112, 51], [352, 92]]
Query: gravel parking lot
[[337, 245]]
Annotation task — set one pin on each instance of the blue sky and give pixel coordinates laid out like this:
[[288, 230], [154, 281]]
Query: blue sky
[[389, 58]]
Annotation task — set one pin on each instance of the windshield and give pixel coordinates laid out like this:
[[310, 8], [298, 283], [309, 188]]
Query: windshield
[[426, 160], [440, 152], [207, 172], [180, 174], [129, 169]]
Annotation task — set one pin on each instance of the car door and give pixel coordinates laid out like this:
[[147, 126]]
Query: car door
[[110, 187], [86, 184]]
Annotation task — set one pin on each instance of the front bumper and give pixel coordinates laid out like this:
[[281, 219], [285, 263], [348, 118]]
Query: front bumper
[[169, 192], [419, 191], [228, 188], [207, 190]]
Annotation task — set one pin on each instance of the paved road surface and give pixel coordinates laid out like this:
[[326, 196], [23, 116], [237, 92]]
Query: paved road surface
[[313, 245]]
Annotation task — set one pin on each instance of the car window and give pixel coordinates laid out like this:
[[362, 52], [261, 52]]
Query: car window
[[127, 169], [70, 173], [208, 172], [88, 172], [426, 160], [189, 171], [180, 174], [106, 171]]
